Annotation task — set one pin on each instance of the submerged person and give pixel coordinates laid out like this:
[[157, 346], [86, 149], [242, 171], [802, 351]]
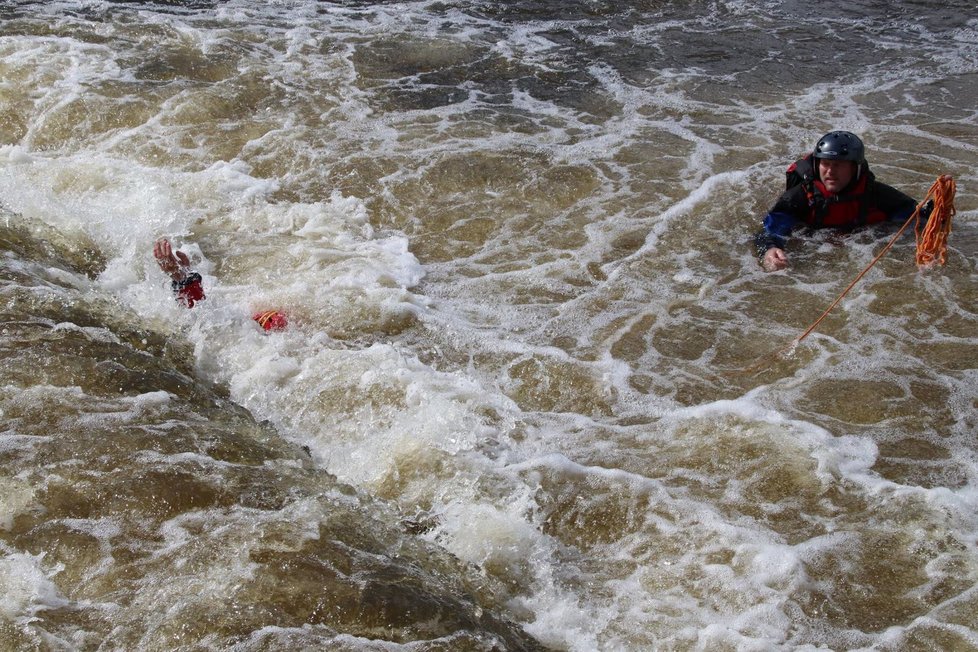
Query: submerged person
[[831, 187], [187, 285]]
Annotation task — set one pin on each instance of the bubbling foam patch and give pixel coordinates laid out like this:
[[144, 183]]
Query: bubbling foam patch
[[526, 276]]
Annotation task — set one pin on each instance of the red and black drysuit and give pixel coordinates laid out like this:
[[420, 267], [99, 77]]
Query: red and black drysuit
[[807, 202], [190, 290]]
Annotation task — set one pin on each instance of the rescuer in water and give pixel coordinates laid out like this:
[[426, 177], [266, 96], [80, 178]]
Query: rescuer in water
[[831, 187]]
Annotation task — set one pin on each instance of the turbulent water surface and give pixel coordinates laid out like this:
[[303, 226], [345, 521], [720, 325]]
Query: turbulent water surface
[[530, 396]]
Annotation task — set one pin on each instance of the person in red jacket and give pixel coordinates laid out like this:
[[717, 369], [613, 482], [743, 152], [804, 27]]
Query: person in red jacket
[[831, 187], [187, 285]]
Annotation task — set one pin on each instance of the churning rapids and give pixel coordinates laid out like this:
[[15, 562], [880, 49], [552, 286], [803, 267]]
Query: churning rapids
[[527, 398]]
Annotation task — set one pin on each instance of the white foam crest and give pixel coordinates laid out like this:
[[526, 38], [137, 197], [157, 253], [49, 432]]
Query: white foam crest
[[11, 443], [331, 249], [746, 600], [493, 535], [678, 210], [566, 622], [850, 458], [845, 456], [63, 69], [118, 203], [16, 496], [26, 586], [897, 637], [218, 544], [325, 266], [504, 537], [321, 263], [363, 412]]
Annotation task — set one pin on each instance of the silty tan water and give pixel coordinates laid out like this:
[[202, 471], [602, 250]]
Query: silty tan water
[[519, 403]]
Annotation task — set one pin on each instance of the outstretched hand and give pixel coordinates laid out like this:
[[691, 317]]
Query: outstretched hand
[[175, 264]]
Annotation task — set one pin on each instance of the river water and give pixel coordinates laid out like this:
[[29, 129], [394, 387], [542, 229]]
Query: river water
[[531, 395]]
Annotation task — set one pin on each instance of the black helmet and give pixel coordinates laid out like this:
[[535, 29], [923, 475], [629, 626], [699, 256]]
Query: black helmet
[[840, 146]]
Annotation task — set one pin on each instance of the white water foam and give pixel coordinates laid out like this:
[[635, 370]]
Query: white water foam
[[374, 409]]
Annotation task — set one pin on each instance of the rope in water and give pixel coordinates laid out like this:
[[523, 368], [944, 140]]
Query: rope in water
[[931, 238]]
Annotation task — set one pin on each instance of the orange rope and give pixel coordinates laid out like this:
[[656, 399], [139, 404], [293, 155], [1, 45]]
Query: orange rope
[[931, 240]]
